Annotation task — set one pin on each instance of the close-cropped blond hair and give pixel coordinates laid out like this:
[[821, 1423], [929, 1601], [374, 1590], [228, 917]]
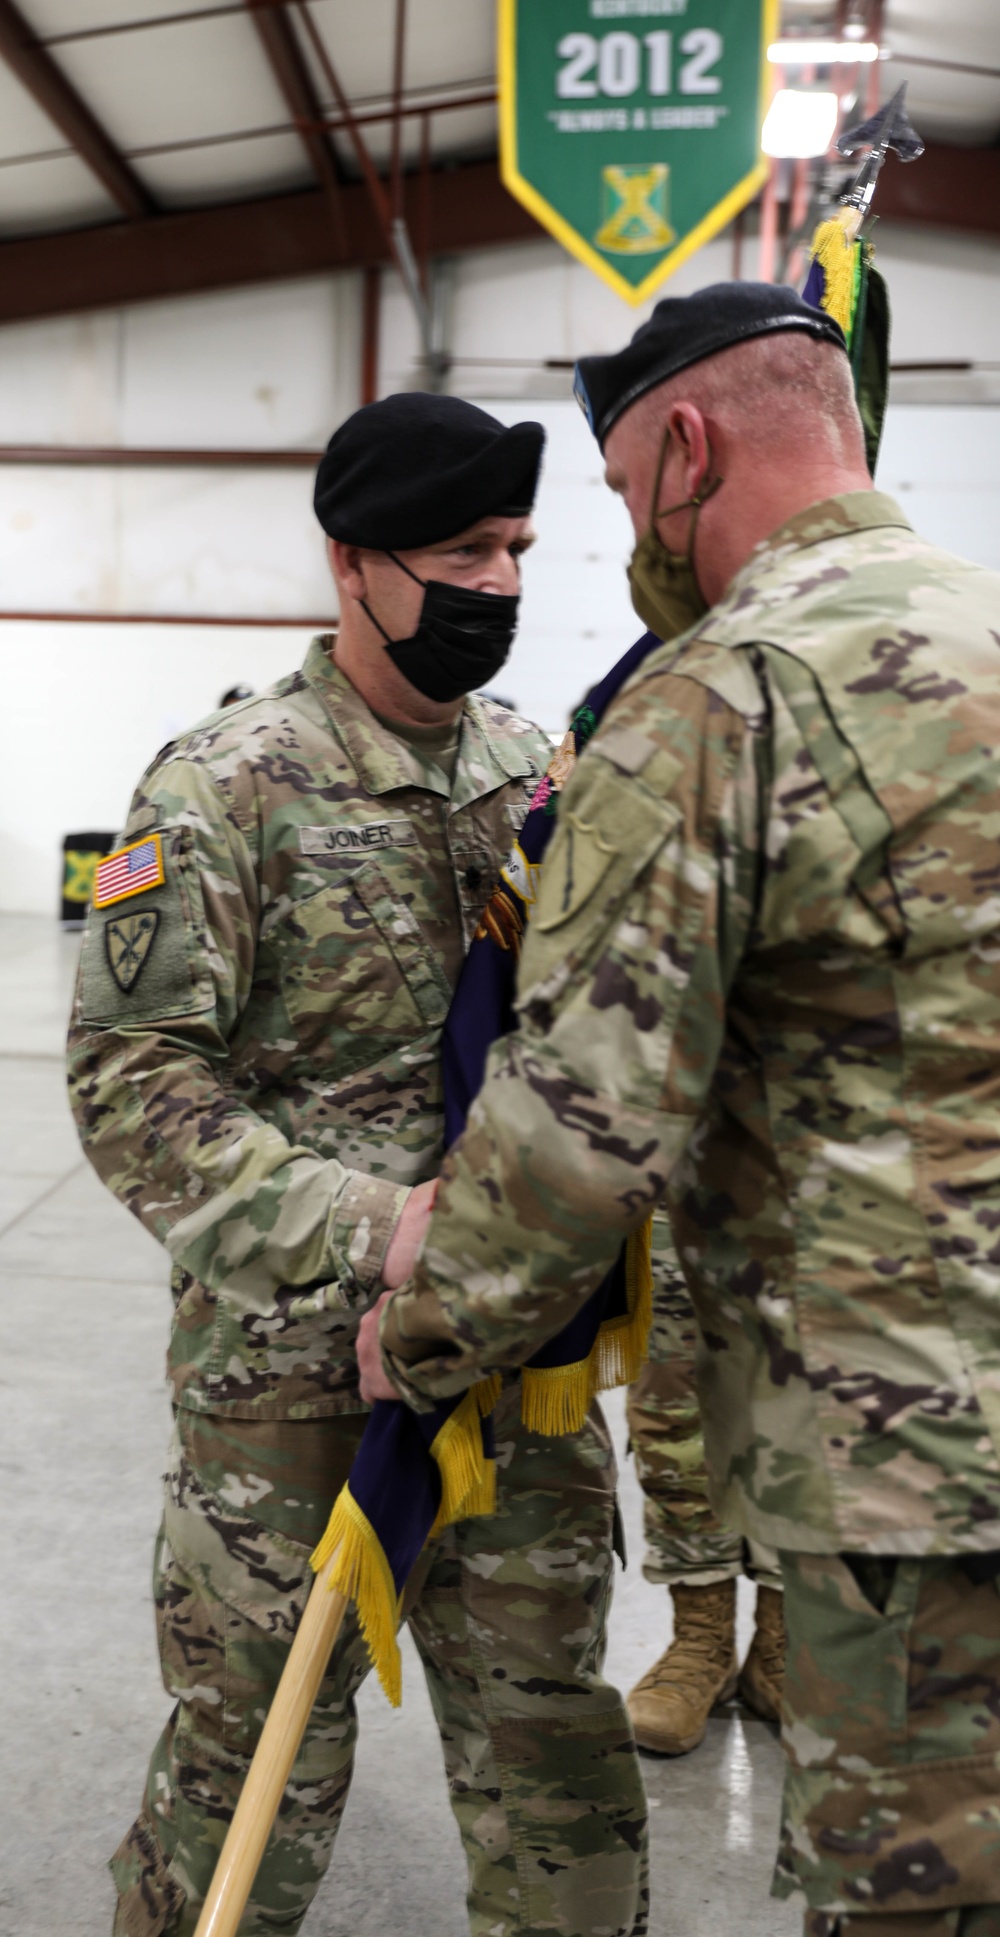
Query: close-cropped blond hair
[[788, 391]]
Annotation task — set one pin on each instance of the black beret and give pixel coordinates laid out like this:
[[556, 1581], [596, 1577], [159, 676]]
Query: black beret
[[414, 469], [684, 330]]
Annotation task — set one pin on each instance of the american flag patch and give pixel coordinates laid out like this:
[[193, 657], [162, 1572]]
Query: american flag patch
[[129, 871]]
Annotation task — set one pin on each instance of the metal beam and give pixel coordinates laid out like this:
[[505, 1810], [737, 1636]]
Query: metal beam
[[325, 622], [396, 160], [112, 28], [390, 214], [370, 307], [424, 203], [950, 188], [284, 236], [947, 67], [330, 123], [284, 56], [156, 457], [368, 169], [268, 240], [37, 71]]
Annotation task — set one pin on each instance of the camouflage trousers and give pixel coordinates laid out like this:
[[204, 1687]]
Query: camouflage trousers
[[508, 1614], [891, 1730], [685, 1543]]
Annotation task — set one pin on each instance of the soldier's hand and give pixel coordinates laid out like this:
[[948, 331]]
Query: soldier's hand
[[407, 1239], [400, 1258], [374, 1384]]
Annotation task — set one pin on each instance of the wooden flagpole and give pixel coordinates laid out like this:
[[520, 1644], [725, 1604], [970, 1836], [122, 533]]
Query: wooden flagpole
[[275, 1754]]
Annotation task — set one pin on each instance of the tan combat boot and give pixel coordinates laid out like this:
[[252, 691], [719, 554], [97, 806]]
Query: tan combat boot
[[763, 1672], [671, 1705]]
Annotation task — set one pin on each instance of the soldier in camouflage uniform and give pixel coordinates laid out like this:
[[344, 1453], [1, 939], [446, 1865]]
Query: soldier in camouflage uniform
[[761, 982], [254, 1068], [687, 1549]]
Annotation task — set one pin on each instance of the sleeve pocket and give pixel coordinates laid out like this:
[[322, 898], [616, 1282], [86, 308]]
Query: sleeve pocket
[[145, 959], [609, 828]]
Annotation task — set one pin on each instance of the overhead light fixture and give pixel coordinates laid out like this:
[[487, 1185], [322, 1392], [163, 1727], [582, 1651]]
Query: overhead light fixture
[[821, 53], [800, 123]]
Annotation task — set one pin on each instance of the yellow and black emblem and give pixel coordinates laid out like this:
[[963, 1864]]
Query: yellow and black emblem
[[79, 870], [635, 210], [128, 942]]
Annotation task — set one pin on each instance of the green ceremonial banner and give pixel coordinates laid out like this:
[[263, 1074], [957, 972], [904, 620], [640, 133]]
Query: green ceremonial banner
[[631, 128]]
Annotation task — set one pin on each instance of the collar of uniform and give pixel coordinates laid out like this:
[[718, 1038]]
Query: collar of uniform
[[485, 759], [380, 760], [839, 517]]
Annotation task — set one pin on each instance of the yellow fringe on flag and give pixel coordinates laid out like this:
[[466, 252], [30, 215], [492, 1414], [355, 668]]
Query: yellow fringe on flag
[[622, 1343], [468, 1478], [555, 1399], [488, 1392], [362, 1573], [363, 1576], [833, 248]]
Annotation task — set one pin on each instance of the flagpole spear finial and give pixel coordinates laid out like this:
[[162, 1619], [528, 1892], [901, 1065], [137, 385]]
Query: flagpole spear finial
[[891, 128]]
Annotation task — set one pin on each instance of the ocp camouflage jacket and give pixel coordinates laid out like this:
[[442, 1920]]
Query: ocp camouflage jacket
[[762, 979], [254, 1054]]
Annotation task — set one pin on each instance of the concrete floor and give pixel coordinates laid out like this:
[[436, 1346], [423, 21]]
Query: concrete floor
[[85, 1422]]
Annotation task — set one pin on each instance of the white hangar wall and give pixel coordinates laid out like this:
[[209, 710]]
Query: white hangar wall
[[533, 301], [89, 697]]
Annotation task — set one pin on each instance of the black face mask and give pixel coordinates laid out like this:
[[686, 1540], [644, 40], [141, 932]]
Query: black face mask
[[462, 639]]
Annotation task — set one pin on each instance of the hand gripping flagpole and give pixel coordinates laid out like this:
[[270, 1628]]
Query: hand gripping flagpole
[[273, 1759]]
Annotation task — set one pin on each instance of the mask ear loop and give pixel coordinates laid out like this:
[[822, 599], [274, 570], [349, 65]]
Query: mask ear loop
[[660, 462], [366, 608], [406, 569], [692, 504]]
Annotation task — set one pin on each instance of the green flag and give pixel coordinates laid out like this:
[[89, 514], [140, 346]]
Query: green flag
[[631, 128]]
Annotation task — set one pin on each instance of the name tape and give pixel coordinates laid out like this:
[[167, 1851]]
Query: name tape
[[364, 837]]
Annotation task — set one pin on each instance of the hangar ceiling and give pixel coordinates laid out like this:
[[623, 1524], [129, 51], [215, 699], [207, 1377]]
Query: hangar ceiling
[[150, 146]]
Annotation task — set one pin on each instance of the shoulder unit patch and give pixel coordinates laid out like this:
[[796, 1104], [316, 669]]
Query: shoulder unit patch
[[128, 941], [129, 871]]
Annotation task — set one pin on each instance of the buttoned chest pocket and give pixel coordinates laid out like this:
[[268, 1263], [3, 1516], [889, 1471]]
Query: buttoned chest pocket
[[356, 977]]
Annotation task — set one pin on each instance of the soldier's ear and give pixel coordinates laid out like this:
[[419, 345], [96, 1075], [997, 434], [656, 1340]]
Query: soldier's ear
[[347, 566], [689, 436]]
